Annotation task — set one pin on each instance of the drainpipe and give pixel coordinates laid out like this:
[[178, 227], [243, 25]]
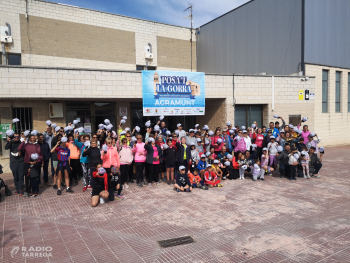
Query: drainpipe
[[4, 53], [273, 92], [233, 89]]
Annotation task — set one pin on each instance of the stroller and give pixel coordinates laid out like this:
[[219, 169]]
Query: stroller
[[3, 185]]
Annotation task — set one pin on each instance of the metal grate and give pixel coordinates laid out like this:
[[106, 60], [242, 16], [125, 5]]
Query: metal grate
[[25, 119], [176, 241]]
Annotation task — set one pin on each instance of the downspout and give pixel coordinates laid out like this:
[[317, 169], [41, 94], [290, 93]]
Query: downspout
[[233, 89], [4, 53], [273, 92]]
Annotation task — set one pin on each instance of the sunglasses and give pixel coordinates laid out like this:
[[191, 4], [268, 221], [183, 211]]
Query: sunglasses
[[128, 136], [174, 136], [109, 143], [94, 137], [269, 132], [16, 136]]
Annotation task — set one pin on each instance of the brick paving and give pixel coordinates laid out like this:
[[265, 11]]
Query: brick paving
[[273, 221]]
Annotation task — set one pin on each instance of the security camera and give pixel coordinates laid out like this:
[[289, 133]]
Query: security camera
[[307, 78]]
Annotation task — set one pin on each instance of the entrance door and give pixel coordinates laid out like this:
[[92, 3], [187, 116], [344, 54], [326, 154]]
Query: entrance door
[[245, 115]]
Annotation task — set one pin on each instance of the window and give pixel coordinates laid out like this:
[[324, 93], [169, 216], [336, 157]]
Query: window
[[324, 91], [337, 91], [144, 68], [245, 115], [348, 92], [14, 59], [25, 119], [139, 67]]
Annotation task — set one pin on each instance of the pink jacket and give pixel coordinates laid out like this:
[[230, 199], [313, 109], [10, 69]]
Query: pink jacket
[[214, 141], [126, 155], [110, 158], [139, 147], [239, 145]]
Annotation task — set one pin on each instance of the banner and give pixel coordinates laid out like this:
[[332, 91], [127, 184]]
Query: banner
[[173, 93], [3, 128]]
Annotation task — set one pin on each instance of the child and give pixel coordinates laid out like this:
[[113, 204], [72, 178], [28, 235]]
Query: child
[[170, 155], [100, 186], [210, 178], [293, 163], [114, 184], [199, 146], [194, 157], [241, 162], [257, 172], [265, 161], [202, 164], [182, 181], [272, 146], [196, 180], [304, 161], [216, 169], [34, 174]]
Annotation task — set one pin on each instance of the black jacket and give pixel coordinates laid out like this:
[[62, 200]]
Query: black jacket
[[170, 156], [12, 146], [45, 150], [181, 151], [283, 157], [149, 156], [94, 156]]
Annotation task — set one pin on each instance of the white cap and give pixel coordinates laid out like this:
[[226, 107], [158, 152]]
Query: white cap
[[256, 167], [254, 146], [253, 125], [137, 128], [109, 127], [125, 118], [127, 129], [296, 156], [148, 123], [193, 144], [168, 132], [156, 128], [211, 133], [203, 156], [229, 156], [195, 130], [265, 149], [57, 128], [219, 140], [279, 149], [122, 121], [133, 139], [238, 138], [312, 134], [243, 128], [304, 119], [81, 129], [196, 126], [177, 132], [206, 127], [216, 161], [208, 165], [165, 146], [244, 167], [291, 126], [276, 116], [122, 132], [34, 132], [101, 126], [26, 133], [303, 153], [151, 139], [282, 131], [10, 133], [34, 156], [87, 143], [208, 153], [105, 147], [228, 123], [182, 167], [321, 149], [191, 130], [227, 163], [199, 139], [207, 142], [178, 125], [48, 122], [54, 125], [272, 137], [244, 131], [75, 122], [107, 121], [161, 117], [64, 139], [231, 131]]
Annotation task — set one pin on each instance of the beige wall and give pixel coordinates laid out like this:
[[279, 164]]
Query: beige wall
[[332, 127], [215, 113]]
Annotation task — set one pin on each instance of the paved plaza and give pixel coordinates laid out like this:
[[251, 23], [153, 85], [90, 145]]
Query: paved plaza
[[278, 220]]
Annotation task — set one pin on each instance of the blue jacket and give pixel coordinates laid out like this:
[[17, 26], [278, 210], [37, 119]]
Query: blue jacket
[[201, 165], [228, 141], [81, 146]]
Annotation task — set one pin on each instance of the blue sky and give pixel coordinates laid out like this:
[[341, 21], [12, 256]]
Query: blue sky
[[165, 11]]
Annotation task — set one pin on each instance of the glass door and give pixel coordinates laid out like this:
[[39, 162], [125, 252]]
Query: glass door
[[245, 115]]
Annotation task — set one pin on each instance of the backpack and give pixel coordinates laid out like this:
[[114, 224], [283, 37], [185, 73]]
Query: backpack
[[33, 173]]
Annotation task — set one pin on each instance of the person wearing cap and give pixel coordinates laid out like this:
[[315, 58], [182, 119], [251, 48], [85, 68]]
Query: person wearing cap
[[315, 163], [214, 141], [170, 157], [202, 164], [199, 146], [228, 140], [272, 148], [183, 153], [311, 142], [196, 181], [100, 186], [28, 149], [248, 141], [16, 162], [182, 133], [283, 158], [281, 139], [191, 138], [239, 145], [210, 178], [183, 183], [293, 164], [63, 167], [153, 159], [216, 169]]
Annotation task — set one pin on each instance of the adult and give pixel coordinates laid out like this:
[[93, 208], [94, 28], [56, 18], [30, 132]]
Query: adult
[[182, 133], [74, 159], [153, 159], [63, 166], [305, 132], [228, 140], [16, 162], [84, 161], [183, 153], [45, 150], [48, 136], [94, 138], [94, 154], [131, 170], [315, 163], [259, 142], [283, 159], [191, 138], [277, 124], [100, 187], [223, 154], [110, 157], [54, 141], [275, 131], [214, 141], [170, 156], [30, 148], [239, 143], [125, 157], [267, 138], [140, 159]]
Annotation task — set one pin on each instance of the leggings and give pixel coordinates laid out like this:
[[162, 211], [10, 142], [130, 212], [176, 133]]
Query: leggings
[[86, 174], [273, 160], [139, 171], [75, 164], [305, 167], [124, 173], [153, 174]]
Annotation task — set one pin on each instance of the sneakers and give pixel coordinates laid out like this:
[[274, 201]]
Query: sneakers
[[47, 184], [20, 192], [84, 188], [34, 195], [119, 197], [40, 186], [59, 192], [102, 200], [125, 186], [305, 176], [291, 178], [25, 194], [177, 190], [308, 176], [317, 176], [220, 185], [224, 178], [140, 185], [157, 184], [16, 192], [294, 178], [168, 182], [150, 185], [173, 182], [55, 186], [68, 190], [89, 187], [164, 180], [210, 185], [281, 176], [262, 179], [204, 187], [132, 181], [188, 190]]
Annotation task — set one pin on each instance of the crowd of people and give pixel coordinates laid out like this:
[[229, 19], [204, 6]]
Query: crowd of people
[[110, 160]]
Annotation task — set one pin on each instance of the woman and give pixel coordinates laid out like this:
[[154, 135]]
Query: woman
[[175, 140], [153, 159], [114, 142], [214, 141], [63, 167], [100, 186], [126, 157], [140, 159], [29, 148], [54, 159], [170, 156], [160, 142], [183, 154], [94, 155], [131, 170], [259, 142], [110, 157], [84, 161]]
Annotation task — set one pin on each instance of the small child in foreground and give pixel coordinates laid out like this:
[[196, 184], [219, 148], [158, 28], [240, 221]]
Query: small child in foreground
[[210, 178], [182, 181], [196, 180], [257, 173]]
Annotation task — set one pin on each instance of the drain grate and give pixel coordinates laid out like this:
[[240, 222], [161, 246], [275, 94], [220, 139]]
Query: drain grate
[[176, 241]]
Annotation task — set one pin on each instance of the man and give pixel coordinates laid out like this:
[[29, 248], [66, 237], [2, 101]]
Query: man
[[315, 163], [45, 150], [277, 124], [191, 138], [283, 159], [16, 162], [227, 139], [182, 133], [222, 155], [182, 181], [275, 131], [313, 143], [48, 136], [217, 170]]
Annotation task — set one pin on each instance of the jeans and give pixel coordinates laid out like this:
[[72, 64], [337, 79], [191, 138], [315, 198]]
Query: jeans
[[18, 174], [45, 172], [292, 171], [284, 169], [139, 172], [317, 167]]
